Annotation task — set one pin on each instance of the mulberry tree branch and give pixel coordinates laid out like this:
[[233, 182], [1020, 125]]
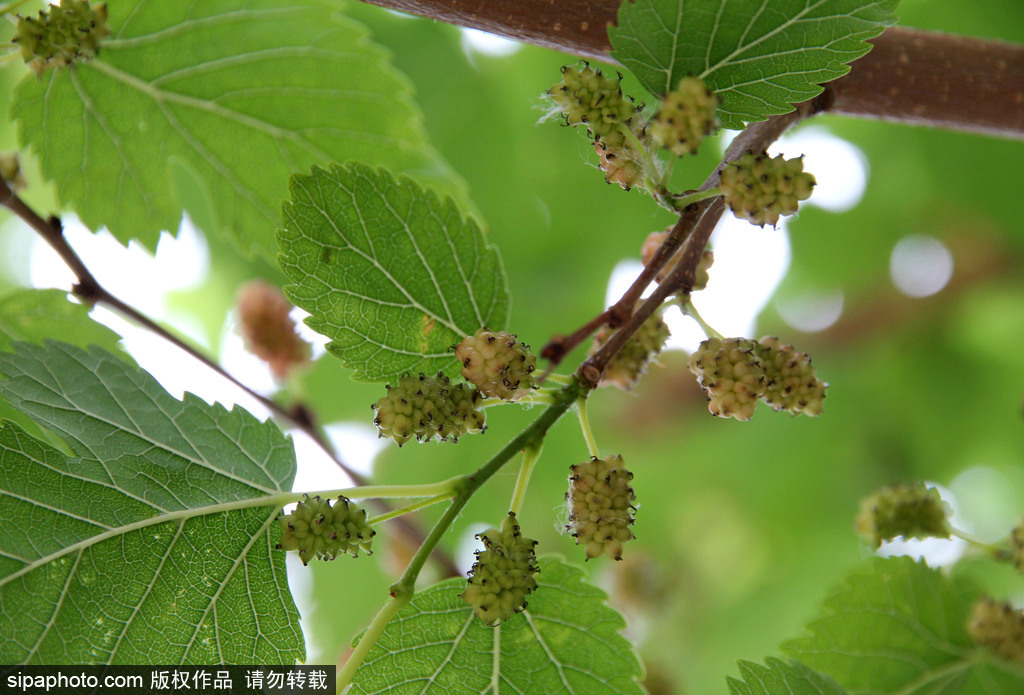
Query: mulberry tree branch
[[911, 76]]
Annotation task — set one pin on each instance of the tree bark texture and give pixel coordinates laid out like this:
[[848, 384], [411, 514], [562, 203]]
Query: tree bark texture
[[911, 76]]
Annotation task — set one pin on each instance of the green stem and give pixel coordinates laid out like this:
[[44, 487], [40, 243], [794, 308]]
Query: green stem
[[996, 550], [530, 456], [403, 590], [690, 310], [369, 638], [680, 202], [446, 487], [408, 509], [559, 378], [588, 433]]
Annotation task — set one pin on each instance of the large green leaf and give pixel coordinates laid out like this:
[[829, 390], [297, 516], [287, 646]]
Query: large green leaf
[[393, 274], [760, 56], [212, 105], [900, 626], [155, 546], [566, 641], [28, 315], [779, 677]]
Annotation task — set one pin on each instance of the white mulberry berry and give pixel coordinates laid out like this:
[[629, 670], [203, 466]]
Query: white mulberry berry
[[731, 374], [497, 363], [631, 362], [316, 529], [62, 34], [999, 626], [588, 97], [910, 510], [503, 574], [792, 382], [601, 507], [686, 117], [760, 189], [424, 408]]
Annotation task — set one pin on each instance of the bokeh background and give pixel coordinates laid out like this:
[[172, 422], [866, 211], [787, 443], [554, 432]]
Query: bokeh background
[[903, 277]]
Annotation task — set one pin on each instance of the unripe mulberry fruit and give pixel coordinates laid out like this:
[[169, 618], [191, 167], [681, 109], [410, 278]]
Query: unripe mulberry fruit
[[316, 529], [424, 408], [10, 171], [497, 363], [792, 382], [61, 34], [909, 510], [1017, 546], [619, 167], [999, 626], [686, 117], [586, 96], [631, 362], [731, 374], [760, 189], [268, 329], [601, 507], [503, 574]]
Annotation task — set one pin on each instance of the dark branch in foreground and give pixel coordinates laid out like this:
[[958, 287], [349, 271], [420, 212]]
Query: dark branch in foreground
[[911, 76]]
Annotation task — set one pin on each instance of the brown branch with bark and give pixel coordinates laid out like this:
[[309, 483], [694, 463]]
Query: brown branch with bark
[[911, 76]]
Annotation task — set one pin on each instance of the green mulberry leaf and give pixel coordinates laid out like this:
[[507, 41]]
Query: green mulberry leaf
[[153, 543], [211, 106], [566, 641], [900, 626], [760, 56], [393, 274], [779, 677]]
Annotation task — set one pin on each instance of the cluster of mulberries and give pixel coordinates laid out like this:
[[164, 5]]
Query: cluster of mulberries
[[737, 372], [654, 241], [600, 502], [503, 574], [587, 97], [686, 117], [631, 362], [497, 363], [999, 626], [422, 408], [61, 34], [909, 510], [792, 384], [268, 328], [760, 189], [316, 529], [731, 374]]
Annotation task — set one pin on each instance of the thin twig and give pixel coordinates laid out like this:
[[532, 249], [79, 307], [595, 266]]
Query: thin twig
[[90, 290]]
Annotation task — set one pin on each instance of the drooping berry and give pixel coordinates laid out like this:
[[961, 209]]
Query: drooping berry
[[316, 529], [601, 507], [587, 97], [503, 574], [686, 117], [10, 171], [268, 329], [793, 384], [999, 626], [424, 408], [909, 510], [732, 375], [760, 189], [619, 167], [631, 362], [654, 241], [497, 363], [62, 34]]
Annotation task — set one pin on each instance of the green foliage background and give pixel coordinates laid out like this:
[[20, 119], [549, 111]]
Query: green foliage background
[[743, 527]]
